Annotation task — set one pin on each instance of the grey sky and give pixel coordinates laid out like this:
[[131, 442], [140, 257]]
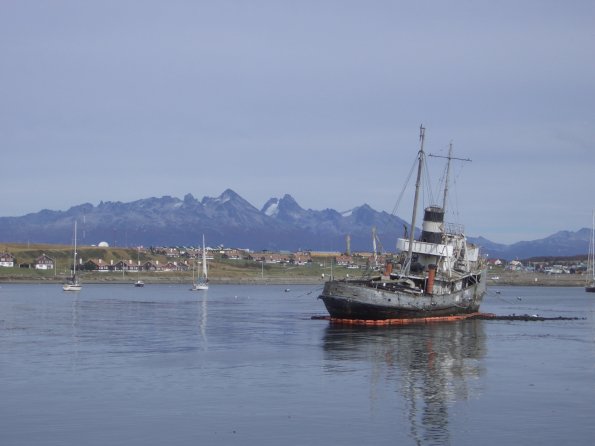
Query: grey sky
[[121, 100]]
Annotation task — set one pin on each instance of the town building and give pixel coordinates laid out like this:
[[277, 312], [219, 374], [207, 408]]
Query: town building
[[44, 262], [7, 260]]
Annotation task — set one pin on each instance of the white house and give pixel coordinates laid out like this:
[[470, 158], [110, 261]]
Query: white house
[[7, 260], [514, 265], [44, 262]]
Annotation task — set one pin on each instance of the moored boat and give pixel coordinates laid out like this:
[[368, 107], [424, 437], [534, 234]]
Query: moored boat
[[202, 284], [440, 274], [73, 283], [139, 283]]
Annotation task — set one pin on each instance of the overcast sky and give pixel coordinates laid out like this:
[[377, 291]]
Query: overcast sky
[[322, 100]]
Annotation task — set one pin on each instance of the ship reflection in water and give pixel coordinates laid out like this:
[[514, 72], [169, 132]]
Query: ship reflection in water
[[430, 366]]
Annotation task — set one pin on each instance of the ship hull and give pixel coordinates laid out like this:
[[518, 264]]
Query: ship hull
[[346, 299]]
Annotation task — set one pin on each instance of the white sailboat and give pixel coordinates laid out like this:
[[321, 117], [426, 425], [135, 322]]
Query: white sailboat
[[139, 283], [73, 283], [203, 280], [590, 287]]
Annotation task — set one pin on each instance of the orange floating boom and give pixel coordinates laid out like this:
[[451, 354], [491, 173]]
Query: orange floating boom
[[418, 320]]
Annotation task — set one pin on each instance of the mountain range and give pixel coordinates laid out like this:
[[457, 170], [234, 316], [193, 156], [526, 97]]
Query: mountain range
[[229, 220]]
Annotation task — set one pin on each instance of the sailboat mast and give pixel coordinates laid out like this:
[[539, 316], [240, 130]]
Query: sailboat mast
[[592, 249], [374, 246], [204, 259], [421, 156], [74, 253]]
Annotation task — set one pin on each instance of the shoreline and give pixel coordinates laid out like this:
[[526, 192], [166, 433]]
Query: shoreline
[[517, 278], [501, 279], [171, 281]]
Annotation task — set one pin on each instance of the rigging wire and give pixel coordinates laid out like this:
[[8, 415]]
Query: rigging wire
[[427, 187], [404, 188]]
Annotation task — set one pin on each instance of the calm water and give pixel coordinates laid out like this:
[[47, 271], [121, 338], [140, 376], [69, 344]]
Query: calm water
[[118, 365]]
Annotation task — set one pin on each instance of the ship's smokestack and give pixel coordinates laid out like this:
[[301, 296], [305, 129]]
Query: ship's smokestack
[[431, 277], [432, 227]]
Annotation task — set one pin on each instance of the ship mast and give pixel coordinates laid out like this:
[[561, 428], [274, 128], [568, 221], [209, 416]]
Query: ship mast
[[449, 158], [447, 176], [421, 157]]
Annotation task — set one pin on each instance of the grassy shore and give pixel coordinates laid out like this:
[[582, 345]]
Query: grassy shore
[[221, 270], [522, 278], [243, 272]]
